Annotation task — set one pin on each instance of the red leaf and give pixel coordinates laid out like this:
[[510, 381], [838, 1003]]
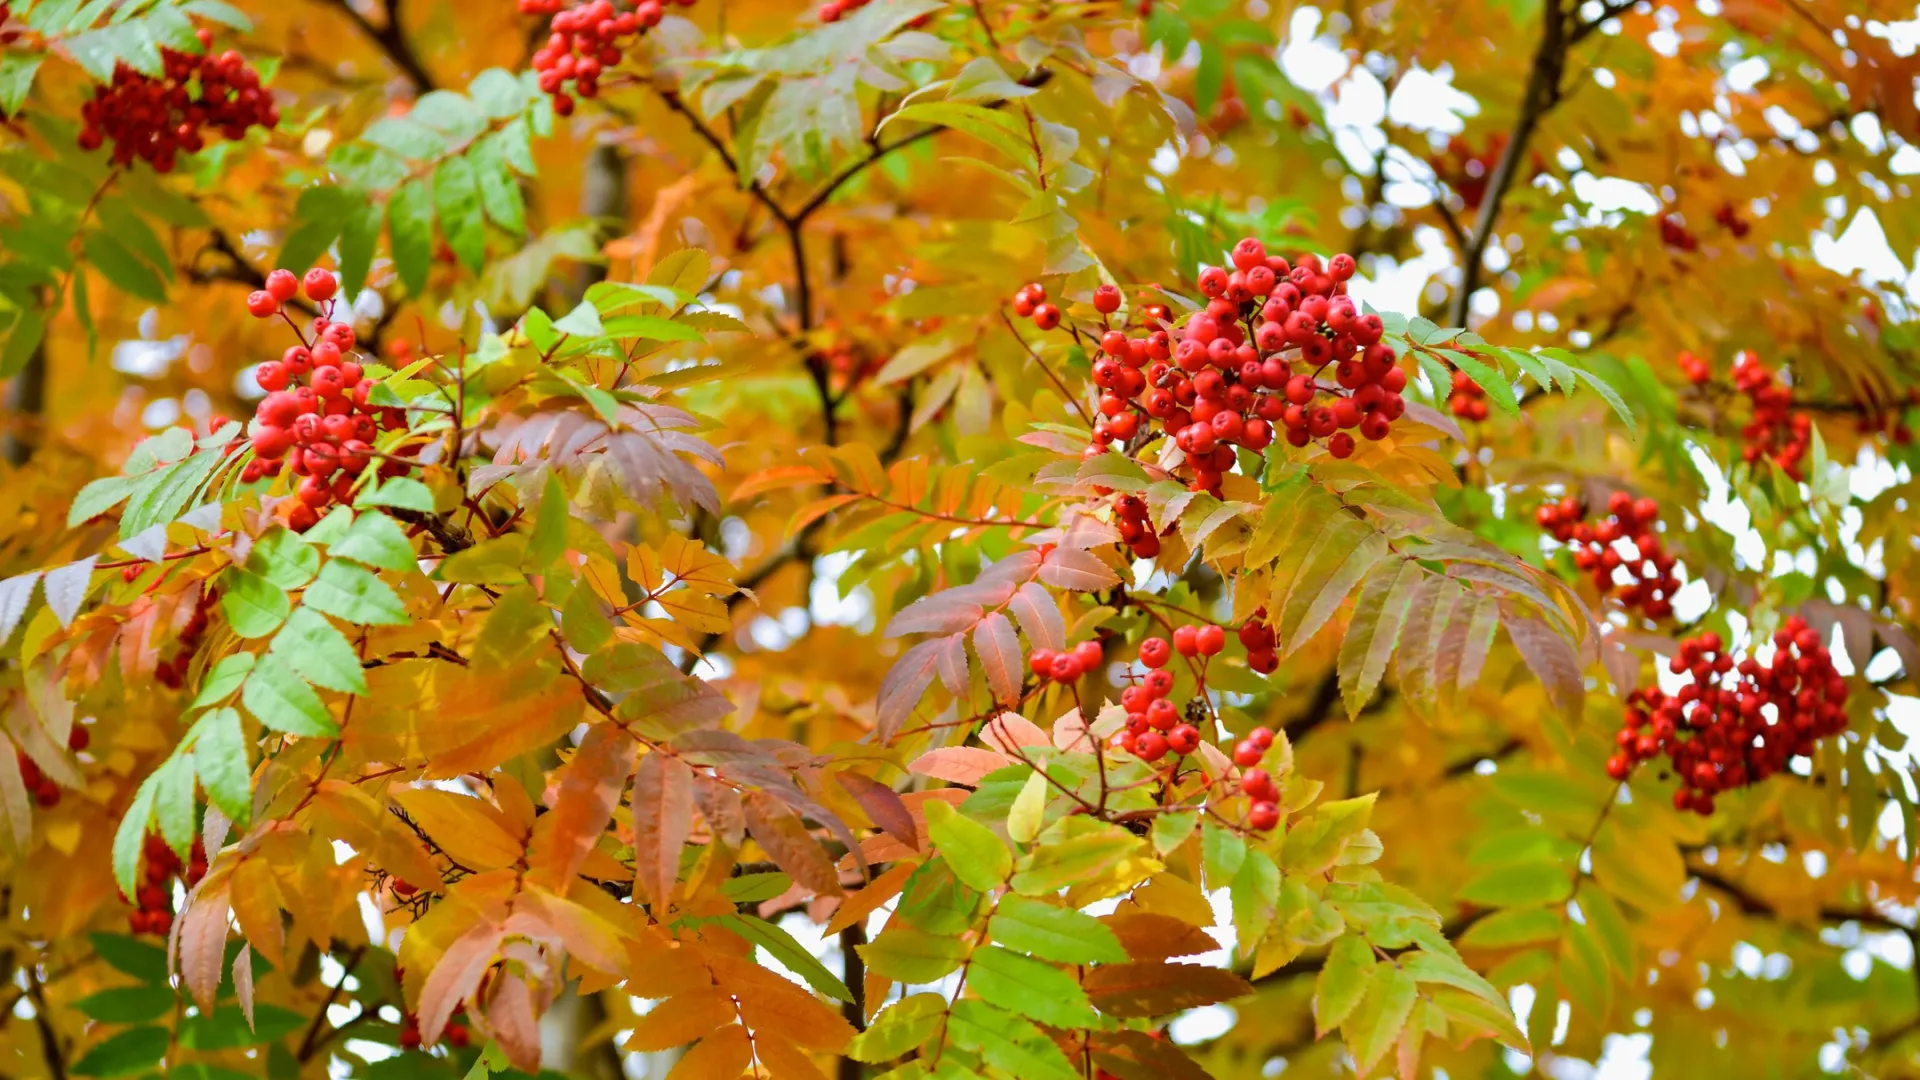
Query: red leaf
[[1009, 731], [905, 684], [789, 844], [515, 1028], [951, 661], [243, 982], [1039, 617], [662, 818], [1000, 658], [959, 764], [720, 805], [883, 805], [589, 789], [1080, 571]]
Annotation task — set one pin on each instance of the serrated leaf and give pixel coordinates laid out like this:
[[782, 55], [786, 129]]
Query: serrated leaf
[[319, 652], [220, 760], [410, 232], [281, 700], [1028, 987], [352, 593], [1059, 934], [978, 857]]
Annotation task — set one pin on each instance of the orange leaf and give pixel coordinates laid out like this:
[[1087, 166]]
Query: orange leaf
[[786, 1061], [1155, 989], [883, 807], [662, 818], [778, 1006], [456, 975], [256, 906], [1148, 935], [515, 1028], [959, 764], [858, 905], [680, 1020], [203, 945], [780, 476], [589, 789], [723, 1055], [471, 831]]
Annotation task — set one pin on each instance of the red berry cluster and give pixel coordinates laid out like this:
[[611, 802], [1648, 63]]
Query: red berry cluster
[[1257, 638], [1697, 371], [45, 792], [1257, 783], [1467, 400], [155, 119], [1729, 219], [455, 1034], [1226, 377], [1068, 665], [172, 673], [322, 429], [1776, 430], [1136, 527], [153, 901], [1596, 550], [1734, 724], [584, 41], [1674, 234]]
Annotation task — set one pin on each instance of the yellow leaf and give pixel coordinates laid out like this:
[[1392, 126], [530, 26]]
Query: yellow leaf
[[786, 1061], [256, 906], [471, 831]]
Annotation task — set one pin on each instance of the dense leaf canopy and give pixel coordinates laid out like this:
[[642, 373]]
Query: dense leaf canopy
[[1030, 538]]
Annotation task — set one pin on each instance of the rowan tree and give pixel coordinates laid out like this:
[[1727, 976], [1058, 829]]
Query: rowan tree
[[995, 539]]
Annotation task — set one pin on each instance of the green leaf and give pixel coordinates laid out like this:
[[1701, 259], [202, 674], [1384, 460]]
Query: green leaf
[[1062, 935], [17, 70], [1376, 1025], [254, 606], [990, 126], [583, 321], [753, 888], [978, 857], [549, 539], [378, 541], [1517, 926], [904, 1025], [1374, 630], [399, 492], [222, 13], [1342, 982], [1029, 809], [1007, 1042], [283, 558], [456, 199], [1488, 378], [359, 238], [281, 700], [225, 678], [1520, 884], [227, 1028], [28, 331], [131, 956], [905, 953], [173, 802], [1613, 400], [318, 650], [489, 562], [1029, 987], [1170, 830], [123, 268], [789, 952], [351, 592], [311, 238], [130, 1004], [1428, 967], [99, 497], [125, 1053], [1255, 893], [1073, 850], [499, 193], [220, 759], [129, 840], [410, 232]]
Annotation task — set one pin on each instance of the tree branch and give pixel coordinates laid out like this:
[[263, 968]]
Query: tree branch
[[1541, 94], [391, 40]]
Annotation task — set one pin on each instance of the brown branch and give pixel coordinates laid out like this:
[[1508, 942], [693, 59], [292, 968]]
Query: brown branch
[[310, 1043], [1752, 903], [391, 40], [853, 972], [50, 1049]]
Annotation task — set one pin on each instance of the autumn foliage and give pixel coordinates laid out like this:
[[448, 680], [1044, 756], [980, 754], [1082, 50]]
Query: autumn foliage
[[895, 538]]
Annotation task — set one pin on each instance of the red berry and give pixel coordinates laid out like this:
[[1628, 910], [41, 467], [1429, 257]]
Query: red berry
[[1246, 755], [1106, 299], [1183, 739], [320, 285], [1258, 784], [1261, 737], [282, 285], [262, 304], [1151, 746], [1046, 316], [271, 376], [79, 738], [1263, 815], [1154, 652], [1159, 683], [1210, 639], [1185, 641], [1090, 655], [1041, 663], [1066, 668]]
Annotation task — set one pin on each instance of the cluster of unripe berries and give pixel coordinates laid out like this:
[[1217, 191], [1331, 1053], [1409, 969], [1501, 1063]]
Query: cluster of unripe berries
[[172, 673], [1226, 378], [1734, 724], [584, 41], [315, 420], [154, 120], [1256, 783], [1597, 550], [153, 900], [1776, 430], [1467, 400]]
